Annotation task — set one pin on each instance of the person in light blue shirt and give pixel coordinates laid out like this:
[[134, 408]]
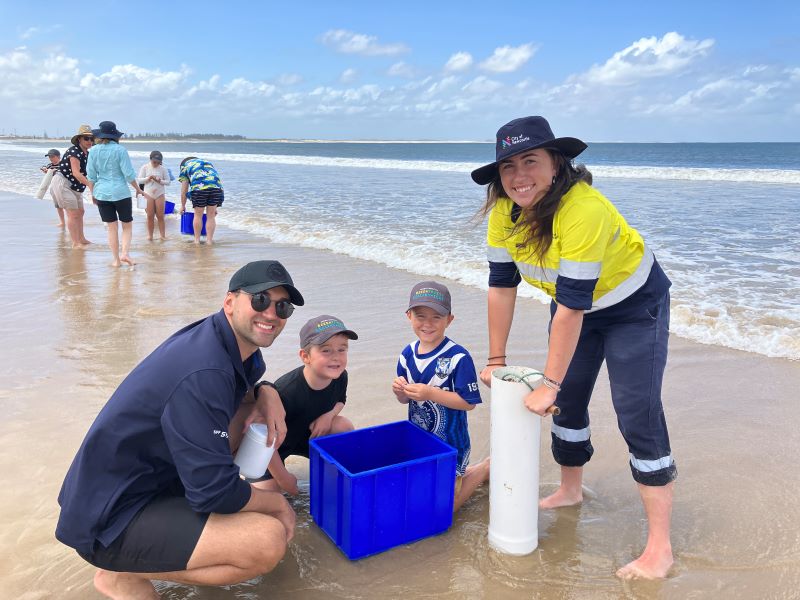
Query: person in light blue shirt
[[109, 171]]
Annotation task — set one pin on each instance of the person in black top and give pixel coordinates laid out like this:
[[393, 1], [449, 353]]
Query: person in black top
[[70, 182], [313, 396]]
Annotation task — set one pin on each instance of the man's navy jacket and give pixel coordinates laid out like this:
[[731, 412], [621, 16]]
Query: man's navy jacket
[[164, 429]]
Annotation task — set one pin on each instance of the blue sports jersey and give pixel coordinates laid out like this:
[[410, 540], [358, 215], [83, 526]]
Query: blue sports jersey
[[449, 367]]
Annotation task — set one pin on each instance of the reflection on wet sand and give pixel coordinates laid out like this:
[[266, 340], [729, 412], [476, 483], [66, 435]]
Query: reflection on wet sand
[[74, 327]]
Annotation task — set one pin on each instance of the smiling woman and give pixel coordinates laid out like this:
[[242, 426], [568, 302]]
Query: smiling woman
[[610, 301]]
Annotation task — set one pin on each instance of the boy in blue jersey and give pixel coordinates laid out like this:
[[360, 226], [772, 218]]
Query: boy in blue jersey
[[436, 378]]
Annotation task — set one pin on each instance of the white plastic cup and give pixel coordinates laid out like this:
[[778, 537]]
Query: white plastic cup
[[254, 455]]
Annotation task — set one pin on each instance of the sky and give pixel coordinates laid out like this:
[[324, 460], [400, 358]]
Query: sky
[[602, 71]]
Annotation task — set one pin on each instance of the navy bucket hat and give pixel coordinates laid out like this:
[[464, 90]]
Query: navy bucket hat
[[108, 131], [522, 135]]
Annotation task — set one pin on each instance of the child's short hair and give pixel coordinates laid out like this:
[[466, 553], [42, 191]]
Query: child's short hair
[[320, 329], [431, 294]]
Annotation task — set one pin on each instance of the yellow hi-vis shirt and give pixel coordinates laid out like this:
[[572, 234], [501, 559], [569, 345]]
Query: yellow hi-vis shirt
[[595, 261]]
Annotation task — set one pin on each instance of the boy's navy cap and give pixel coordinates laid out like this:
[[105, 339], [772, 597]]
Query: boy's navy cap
[[432, 294], [322, 328], [522, 135], [156, 155], [52, 152], [264, 275]]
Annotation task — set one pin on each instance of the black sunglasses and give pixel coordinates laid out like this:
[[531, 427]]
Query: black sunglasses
[[261, 302]]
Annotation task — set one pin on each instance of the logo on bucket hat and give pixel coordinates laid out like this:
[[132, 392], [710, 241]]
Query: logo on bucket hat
[[320, 329], [522, 135], [431, 294]]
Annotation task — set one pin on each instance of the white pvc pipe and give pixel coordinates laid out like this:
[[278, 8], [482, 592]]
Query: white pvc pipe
[[514, 476], [48, 177]]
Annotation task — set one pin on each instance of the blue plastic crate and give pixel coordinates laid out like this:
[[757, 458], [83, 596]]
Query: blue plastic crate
[[376, 488], [187, 223]]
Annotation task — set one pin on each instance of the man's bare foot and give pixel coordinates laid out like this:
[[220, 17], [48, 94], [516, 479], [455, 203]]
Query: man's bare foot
[[650, 565], [127, 260], [124, 585], [562, 497]]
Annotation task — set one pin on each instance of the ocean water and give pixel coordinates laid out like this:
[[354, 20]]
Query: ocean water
[[721, 218]]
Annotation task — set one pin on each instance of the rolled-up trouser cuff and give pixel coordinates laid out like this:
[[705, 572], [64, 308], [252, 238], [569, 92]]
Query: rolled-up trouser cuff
[[571, 454], [655, 478]]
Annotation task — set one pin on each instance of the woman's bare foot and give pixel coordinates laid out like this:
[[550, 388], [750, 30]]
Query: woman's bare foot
[[86, 242], [61, 224], [115, 263], [124, 585], [650, 565], [80, 246], [149, 238], [562, 497], [127, 260]]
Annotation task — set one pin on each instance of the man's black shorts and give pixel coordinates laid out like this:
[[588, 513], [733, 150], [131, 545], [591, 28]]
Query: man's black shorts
[[159, 539]]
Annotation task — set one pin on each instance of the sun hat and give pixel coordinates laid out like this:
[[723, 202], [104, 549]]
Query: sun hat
[[264, 275], [107, 131], [52, 152], [156, 155], [431, 294], [82, 131], [522, 135], [320, 329]]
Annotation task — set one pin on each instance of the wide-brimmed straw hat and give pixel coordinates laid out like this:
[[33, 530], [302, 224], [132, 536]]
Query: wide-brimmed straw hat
[[82, 131], [522, 135], [107, 131]]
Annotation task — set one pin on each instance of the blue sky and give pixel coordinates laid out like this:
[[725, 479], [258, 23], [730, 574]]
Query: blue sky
[[602, 71]]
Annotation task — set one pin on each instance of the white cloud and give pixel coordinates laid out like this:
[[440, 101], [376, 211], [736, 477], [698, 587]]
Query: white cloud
[[348, 76], [460, 61], [28, 33], [506, 59], [348, 42], [648, 58], [481, 86], [131, 80], [401, 69]]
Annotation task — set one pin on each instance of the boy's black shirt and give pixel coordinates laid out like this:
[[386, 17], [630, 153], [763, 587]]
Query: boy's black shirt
[[303, 406]]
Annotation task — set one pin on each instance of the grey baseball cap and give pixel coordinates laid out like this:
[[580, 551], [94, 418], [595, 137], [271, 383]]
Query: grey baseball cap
[[52, 152], [431, 294], [322, 328], [263, 275]]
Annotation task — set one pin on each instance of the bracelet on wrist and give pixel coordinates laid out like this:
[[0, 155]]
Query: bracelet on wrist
[[498, 356], [551, 383], [496, 364], [260, 384]]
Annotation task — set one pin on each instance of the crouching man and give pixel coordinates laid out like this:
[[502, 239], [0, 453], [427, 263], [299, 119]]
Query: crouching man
[[153, 492]]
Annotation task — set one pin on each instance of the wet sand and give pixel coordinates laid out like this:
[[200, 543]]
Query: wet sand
[[73, 327]]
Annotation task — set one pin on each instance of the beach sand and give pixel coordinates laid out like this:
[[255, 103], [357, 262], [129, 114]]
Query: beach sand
[[73, 327]]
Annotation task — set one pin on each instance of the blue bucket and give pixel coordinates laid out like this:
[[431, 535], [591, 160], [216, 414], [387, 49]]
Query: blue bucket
[[187, 223]]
